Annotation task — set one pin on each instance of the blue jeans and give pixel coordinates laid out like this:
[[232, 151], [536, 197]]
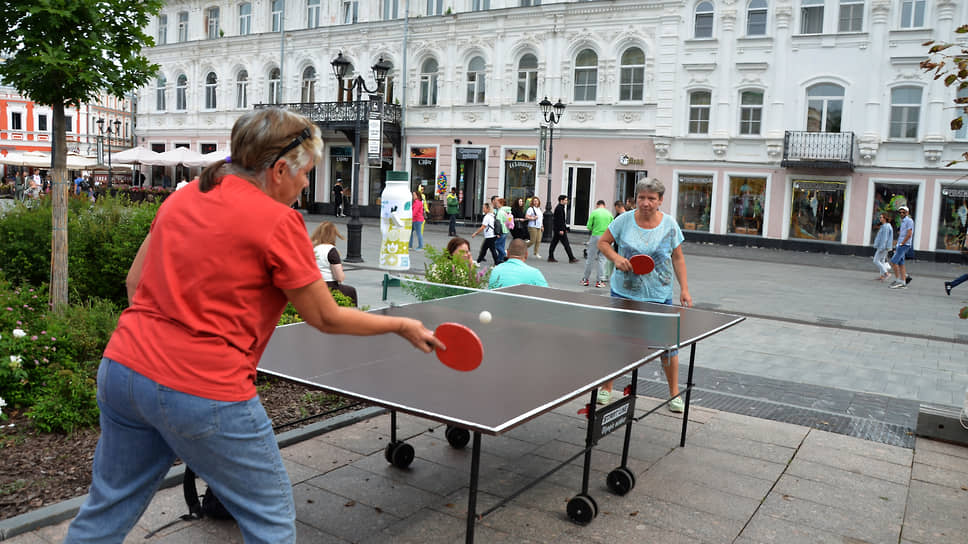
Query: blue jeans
[[145, 425], [501, 246], [418, 231]]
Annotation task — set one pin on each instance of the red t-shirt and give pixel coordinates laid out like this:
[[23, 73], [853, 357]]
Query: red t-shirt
[[210, 293], [418, 210]]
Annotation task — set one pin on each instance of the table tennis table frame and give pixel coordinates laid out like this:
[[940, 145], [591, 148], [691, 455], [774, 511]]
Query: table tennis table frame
[[582, 508]]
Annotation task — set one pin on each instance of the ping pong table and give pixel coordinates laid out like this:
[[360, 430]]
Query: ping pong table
[[543, 348]]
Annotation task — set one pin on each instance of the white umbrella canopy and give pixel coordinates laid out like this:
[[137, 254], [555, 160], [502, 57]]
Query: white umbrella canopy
[[213, 157], [39, 159], [140, 155], [179, 155]]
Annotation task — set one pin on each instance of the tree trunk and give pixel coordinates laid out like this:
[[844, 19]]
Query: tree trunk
[[58, 194]]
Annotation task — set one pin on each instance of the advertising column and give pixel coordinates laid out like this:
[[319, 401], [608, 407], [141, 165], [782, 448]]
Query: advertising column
[[395, 222]]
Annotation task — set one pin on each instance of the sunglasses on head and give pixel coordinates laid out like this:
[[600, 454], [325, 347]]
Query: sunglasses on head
[[306, 134]]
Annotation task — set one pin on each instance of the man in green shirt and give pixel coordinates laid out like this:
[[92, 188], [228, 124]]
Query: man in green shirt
[[598, 222], [514, 271], [452, 207]]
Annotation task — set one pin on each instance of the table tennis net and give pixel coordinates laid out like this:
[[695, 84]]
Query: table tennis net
[[519, 312]]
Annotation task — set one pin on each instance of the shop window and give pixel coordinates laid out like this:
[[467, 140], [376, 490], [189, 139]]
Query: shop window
[[519, 173], [695, 198], [888, 197], [423, 168], [341, 168], [953, 219], [746, 199], [818, 210]]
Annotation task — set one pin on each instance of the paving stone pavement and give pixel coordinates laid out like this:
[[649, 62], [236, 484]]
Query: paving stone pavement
[[821, 338]]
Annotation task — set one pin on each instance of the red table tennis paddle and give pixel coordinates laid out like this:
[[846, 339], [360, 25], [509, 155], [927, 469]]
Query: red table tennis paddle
[[464, 348], [642, 264]]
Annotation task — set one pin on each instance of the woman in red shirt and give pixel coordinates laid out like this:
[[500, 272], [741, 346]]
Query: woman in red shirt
[[417, 208]]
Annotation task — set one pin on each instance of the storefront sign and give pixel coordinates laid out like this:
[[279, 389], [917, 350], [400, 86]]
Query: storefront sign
[[340, 151], [527, 165], [819, 185], [470, 153], [424, 162], [375, 132], [695, 179], [423, 153], [517, 154], [627, 160], [947, 191]]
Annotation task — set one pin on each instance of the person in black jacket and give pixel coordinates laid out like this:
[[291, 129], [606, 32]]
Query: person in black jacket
[[561, 232]]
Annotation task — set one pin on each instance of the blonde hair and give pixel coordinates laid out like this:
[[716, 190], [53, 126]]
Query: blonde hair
[[325, 233], [257, 138]]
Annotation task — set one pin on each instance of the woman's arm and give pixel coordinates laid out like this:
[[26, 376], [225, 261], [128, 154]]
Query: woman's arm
[[679, 266], [316, 306], [605, 248], [134, 273]]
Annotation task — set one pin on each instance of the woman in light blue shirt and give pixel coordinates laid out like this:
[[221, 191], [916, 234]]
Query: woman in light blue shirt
[[648, 231], [882, 244]]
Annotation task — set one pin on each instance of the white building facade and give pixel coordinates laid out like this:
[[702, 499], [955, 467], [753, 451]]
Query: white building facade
[[787, 123]]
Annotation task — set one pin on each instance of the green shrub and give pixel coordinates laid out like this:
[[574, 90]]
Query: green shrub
[[443, 268], [290, 315], [67, 400]]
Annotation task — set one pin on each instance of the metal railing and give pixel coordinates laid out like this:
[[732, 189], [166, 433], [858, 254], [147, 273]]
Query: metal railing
[[830, 149], [339, 112]]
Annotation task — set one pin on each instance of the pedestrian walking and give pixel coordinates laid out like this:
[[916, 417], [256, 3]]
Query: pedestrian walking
[[453, 204], [904, 250], [490, 238], [882, 244], [561, 232], [598, 222], [535, 227]]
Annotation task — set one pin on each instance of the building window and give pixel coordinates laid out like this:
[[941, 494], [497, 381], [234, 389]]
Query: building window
[[888, 197], [632, 75], [475, 81], [756, 18], [825, 107], [69, 123], [750, 113], [962, 132], [162, 29], [699, 107], [277, 7], [160, 93], [391, 9], [42, 123], [245, 19], [480, 5], [586, 76], [694, 202], [817, 210], [312, 13], [182, 26], [428, 83], [747, 197], [435, 7], [181, 93], [519, 173], [905, 112], [211, 23], [912, 13], [242, 90], [953, 219], [309, 84], [528, 78], [529, 3], [275, 86], [811, 16], [851, 16], [351, 11], [211, 83], [704, 20], [16, 120]]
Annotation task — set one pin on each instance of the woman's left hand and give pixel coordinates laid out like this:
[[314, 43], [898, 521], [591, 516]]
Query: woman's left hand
[[685, 299]]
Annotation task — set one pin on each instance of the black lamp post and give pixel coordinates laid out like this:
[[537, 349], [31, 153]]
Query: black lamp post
[[354, 229], [109, 132], [552, 116]]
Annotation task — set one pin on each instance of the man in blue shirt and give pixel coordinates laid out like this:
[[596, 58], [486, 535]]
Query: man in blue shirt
[[514, 271], [904, 250]]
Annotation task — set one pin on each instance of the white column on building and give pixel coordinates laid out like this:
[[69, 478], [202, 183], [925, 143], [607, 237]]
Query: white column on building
[[722, 117], [779, 119], [880, 11]]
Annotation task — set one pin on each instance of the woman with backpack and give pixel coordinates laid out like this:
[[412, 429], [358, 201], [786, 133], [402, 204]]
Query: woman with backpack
[[490, 238]]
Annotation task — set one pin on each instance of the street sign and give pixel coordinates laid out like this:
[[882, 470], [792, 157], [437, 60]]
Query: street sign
[[374, 148]]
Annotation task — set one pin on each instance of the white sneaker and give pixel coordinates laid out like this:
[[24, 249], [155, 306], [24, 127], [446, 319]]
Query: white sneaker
[[898, 285]]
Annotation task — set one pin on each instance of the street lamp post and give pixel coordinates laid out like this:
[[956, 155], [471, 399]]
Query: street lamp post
[[109, 132], [354, 229], [552, 116]]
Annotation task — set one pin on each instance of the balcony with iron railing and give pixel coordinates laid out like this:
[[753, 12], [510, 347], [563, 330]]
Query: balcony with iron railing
[[818, 150], [346, 117]]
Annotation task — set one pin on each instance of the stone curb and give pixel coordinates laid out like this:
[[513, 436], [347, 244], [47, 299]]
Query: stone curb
[[55, 513]]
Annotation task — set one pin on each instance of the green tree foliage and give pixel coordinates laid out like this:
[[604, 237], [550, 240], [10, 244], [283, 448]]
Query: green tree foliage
[[65, 52], [952, 69]]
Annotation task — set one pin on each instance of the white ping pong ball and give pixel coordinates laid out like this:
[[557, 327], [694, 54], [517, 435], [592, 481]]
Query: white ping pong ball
[[485, 317]]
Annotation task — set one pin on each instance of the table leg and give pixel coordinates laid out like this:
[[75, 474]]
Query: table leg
[[472, 493], [633, 388], [689, 384]]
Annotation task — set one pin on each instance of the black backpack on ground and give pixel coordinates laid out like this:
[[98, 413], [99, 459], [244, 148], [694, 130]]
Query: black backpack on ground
[[209, 506]]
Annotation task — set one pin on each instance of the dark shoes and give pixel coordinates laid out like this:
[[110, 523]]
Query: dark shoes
[[572, 261], [947, 288], [907, 280], [552, 260]]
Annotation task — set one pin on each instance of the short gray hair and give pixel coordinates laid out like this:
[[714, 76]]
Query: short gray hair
[[649, 186]]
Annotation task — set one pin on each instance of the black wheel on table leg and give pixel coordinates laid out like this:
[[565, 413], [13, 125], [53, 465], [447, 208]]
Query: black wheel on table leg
[[388, 451], [457, 437], [402, 455], [582, 509], [620, 481]]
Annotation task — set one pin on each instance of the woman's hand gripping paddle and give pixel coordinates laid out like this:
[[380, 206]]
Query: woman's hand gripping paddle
[[642, 264], [464, 348]]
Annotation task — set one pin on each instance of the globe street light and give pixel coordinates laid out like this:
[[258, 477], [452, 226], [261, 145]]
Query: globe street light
[[552, 116], [354, 229]]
